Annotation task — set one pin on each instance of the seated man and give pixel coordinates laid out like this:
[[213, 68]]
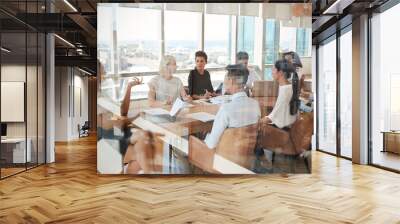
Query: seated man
[[240, 112], [243, 58]]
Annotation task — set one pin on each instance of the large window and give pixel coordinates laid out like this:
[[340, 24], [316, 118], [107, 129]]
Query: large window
[[303, 42], [287, 38], [218, 39], [346, 94], [271, 46], [385, 84], [182, 36], [105, 37], [327, 97], [246, 36], [139, 42], [283, 36], [131, 47]]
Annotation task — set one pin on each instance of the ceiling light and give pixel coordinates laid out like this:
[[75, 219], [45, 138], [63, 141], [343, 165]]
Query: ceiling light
[[64, 40], [70, 5], [338, 6], [86, 72], [5, 50]]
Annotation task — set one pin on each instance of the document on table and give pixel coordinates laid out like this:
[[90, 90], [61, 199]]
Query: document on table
[[156, 111], [221, 99], [202, 116], [179, 104]]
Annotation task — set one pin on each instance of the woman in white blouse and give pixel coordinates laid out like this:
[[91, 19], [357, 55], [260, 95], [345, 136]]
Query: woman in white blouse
[[165, 88], [285, 110]]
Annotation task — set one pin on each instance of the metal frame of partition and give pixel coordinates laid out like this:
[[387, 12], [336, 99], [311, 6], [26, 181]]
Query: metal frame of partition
[[43, 119]]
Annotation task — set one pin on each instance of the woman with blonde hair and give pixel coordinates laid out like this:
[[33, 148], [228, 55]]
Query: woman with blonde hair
[[165, 88]]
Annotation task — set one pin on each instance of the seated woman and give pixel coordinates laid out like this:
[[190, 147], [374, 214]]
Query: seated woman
[[287, 104], [137, 147], [286, 107], [199, 80], [165, 88], [140, 157]]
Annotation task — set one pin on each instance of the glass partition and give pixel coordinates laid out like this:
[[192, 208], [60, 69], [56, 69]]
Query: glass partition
[[14, 145], [22, 88], [327, 97], [385, 89]]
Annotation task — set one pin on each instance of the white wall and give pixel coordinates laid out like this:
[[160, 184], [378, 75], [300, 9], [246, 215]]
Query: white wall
[[70, 83]]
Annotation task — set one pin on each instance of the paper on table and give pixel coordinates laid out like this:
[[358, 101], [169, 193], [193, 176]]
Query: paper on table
[[221, 99], [156, 111], [202, 116], [179, 104]]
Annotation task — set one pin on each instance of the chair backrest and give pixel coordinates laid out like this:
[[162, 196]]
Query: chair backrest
[[301, 132], [200, 155], [238, 144], [265, 88]]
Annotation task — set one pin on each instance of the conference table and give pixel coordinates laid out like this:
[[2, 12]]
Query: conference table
[[176, 133]]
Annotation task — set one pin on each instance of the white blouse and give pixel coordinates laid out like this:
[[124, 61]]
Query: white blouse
[[280, 115]]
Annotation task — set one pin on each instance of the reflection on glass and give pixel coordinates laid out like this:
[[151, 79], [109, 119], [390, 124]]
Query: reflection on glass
[[287, 38], [303, 42], [218, 40], [385, 86], [14, 146], [32, 101], [327, 97], [104, 37], [346, 94], [139, 43], [41, 98], [270, 50], [268, 73], [246, 36], [182, 36]]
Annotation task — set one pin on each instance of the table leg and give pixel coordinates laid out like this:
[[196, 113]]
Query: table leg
[[170, 157]]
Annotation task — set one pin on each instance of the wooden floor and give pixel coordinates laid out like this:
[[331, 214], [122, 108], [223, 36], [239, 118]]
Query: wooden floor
[[70, 191], [387, 159]]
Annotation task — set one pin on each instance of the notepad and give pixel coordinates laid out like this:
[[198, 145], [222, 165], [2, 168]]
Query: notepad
[[202, 116]]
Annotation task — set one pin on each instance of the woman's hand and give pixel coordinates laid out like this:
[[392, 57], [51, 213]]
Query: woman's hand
[[265, 120], [207, 95], [187, 98], [168, 101], [213, 94], [135, 81]]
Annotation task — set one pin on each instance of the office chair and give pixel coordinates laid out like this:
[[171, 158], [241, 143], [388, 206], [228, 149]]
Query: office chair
[[84, 130], [236, 145], [293, 144]]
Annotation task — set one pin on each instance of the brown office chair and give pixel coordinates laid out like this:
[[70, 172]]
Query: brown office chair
[[291, 144], [236, 145], [145, 153]]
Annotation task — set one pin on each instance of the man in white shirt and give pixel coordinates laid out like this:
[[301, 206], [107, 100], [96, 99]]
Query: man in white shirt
[[243, 58], [240, 112]]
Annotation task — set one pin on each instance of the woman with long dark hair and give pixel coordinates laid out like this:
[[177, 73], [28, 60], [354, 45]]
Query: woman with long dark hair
[[286, 107]]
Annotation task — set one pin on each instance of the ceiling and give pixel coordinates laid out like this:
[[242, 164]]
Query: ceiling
[[328, 15], [76, 22]]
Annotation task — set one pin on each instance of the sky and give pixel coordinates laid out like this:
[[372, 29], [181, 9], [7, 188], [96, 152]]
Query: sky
[[144, 24]]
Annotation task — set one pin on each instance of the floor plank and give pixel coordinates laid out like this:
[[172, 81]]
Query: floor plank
[[70, 191]]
